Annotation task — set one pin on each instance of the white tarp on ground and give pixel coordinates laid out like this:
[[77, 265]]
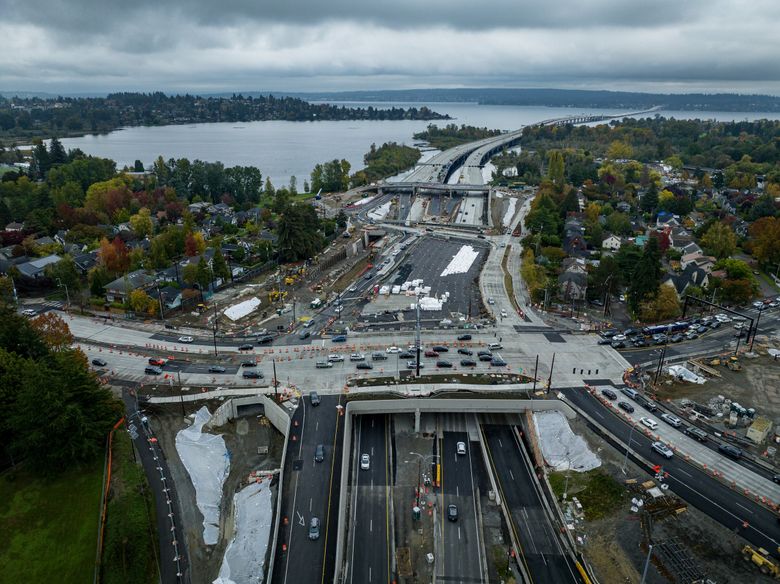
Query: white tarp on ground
[[242, 309], [461, 262], [206, 459], [428, 303], [245, 554], [510, 212], [380, 212], [562, 448], [684, 374], [363, 201]]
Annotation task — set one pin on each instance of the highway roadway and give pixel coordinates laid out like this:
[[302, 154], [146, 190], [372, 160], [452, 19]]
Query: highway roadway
[[707, 494], [372, 547], [310, 491], [460, 545], [542, 553]]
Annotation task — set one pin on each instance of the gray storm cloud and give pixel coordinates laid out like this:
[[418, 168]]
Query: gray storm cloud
[[83, 45]]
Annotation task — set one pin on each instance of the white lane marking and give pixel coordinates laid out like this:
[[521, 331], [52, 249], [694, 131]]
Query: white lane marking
[[457, 491], [501, 444], [371, 525], [317, 426], [511, 474], [459, 532], [300, 519], [684, 472], [310, 504], [745, 508]]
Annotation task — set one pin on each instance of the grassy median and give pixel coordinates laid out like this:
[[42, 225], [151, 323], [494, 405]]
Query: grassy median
[[49, 525], [599, 494]]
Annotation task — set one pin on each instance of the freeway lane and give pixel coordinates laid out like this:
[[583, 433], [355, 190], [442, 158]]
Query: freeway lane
[[460, 541], [370, 561], [542, 553], [309, 492], [717, 500]]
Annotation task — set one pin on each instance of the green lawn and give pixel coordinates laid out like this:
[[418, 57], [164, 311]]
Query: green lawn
[[599, 493], [49, 525]]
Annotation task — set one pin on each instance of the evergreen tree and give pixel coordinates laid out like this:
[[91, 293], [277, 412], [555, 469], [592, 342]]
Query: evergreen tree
[[220, 266], [646, 276], [57, 154]]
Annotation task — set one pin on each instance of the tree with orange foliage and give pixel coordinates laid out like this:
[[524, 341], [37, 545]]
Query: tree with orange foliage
[[53, 330], [194, 244], [114, 255]]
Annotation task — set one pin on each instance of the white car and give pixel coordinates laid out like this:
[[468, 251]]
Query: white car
[[652, 424], [357, 357], [29, 312], [333, 358], [662, 449], [365, 461], [393, 349], [491, 301], [758, 304], [503, 314], [671, 420], [723, 317], [352, 289], [461, 447], [186, 339], [619, 338]]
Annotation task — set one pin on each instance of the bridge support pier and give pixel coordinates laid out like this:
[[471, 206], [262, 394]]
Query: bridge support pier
[[417, 421]]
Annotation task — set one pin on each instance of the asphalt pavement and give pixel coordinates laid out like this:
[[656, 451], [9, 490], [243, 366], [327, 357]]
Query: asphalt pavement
[[542, 554], [460, 545], [370, 525], [755, 523], [173, 562], [310, 491]]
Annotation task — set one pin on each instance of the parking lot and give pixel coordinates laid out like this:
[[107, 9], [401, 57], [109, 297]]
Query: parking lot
[[426, 261]]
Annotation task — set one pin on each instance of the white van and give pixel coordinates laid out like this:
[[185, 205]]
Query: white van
[[494, 346]]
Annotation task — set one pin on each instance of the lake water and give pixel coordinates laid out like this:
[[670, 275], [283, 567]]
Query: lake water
[[283, 149]]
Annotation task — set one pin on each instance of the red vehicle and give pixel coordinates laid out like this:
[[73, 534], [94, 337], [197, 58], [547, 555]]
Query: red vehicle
[[156, 361], [430, 353]]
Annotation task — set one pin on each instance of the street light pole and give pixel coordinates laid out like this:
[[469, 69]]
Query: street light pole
[[755, 331], [647, 563], [67, 295], [628, 447], [215, 329]]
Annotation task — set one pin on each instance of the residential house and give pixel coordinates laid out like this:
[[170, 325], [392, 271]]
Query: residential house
[[86, 261], [574, 235], [34, 269], [199, 207], [623, 207], [690, 276], [691, 248], [15, 226], [119, 290], [611, 243], [171, 297], [573, 285], [679, 237]]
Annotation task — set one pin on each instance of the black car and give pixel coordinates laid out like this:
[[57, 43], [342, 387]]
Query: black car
[[443, 363], [646, 403], [265, 339], [715, 324], [482, 352], [364, 365], [618, 344], [464, 337], [248, 364], [730, 450], [217, 369], [608, 393], [605, 341], [740, 334], [304, 335], [626, 407], [608, 334], [465, 352], [252, 375], [246, 347], [677, 338], [406, 355], [440, 349], [640, 343], [99, 363], [152, 370], [498, 362], [468, 363], [452, 512], [630, 332]]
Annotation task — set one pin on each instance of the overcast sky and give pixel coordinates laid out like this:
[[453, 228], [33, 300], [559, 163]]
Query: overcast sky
[[302, 45]]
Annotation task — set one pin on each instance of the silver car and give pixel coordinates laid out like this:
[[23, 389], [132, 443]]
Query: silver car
[[662, 449]]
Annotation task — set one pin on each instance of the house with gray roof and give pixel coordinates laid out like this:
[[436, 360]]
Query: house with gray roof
[[119, 290], [34, 269]]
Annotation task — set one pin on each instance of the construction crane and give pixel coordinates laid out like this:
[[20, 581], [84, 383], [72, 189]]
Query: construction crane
[[760, 557]]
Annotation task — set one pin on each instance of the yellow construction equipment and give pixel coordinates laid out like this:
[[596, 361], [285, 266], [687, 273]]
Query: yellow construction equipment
[[290, 280], [275, 295], [760, 557]]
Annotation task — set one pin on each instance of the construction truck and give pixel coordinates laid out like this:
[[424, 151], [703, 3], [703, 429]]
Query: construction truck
[[761, 558]]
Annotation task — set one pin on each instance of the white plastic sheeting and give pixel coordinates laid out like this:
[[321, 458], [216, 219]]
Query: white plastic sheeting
[[461, 262], [510, 212], [380, 212], [684, 374], [363, 201], [206, 459], [562, 448], [245, 554], [431, 303], [242, 309]]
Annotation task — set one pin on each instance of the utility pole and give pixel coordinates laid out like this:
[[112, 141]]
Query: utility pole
[[417, 336], [276, 382], [215, 329], [755, 331], [647, 563], [536, 369], [549, 379], [159, 298]]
